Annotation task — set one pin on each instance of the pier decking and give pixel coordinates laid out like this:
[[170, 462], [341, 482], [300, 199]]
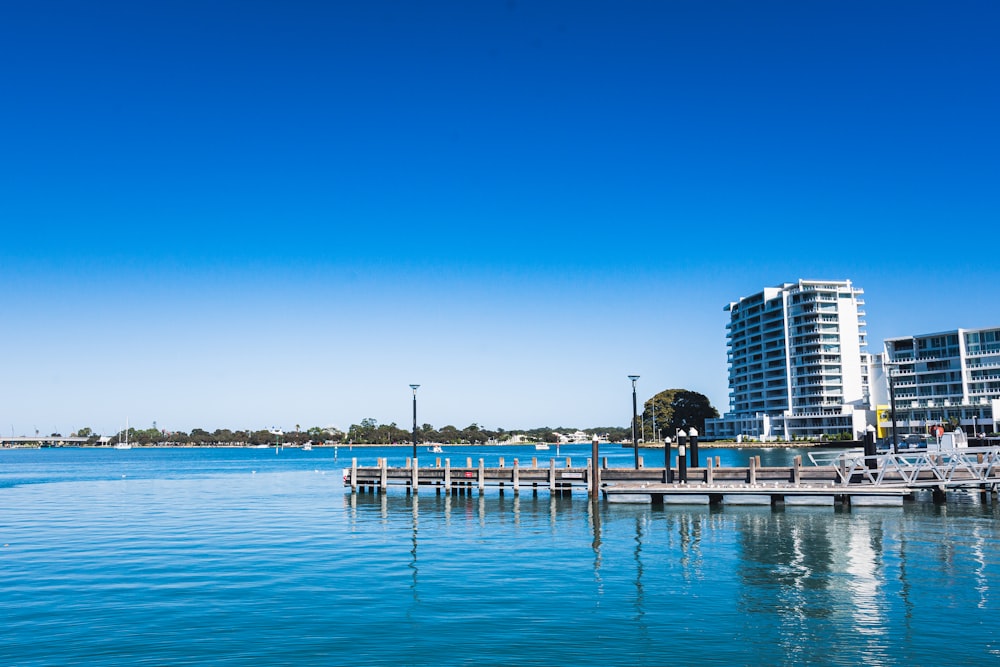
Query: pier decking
[[854, 478]]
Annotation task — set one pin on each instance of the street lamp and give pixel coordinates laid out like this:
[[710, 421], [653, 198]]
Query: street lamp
[[892, 410], [635, 439], [414, 388]]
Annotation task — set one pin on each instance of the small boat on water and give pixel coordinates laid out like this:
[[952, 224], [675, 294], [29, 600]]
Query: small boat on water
[[541, 447], [436, 449], [307, 446], [123, 445]]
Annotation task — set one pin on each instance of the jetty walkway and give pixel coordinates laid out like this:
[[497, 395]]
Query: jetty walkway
[[851, 477]]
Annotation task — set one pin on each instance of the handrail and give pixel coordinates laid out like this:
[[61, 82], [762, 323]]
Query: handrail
[[964, 466]]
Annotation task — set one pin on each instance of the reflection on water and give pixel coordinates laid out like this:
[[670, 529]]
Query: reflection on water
[[415, 502], [234, 568], [819, 586], [640, 521]]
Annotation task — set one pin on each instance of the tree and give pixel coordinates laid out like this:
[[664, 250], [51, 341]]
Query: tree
[[676, 409], [449, 434], [200, 436], [427, 433], [363, 432]]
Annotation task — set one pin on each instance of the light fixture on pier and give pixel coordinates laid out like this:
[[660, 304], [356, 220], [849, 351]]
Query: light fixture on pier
[[635, 418], [414, 388]]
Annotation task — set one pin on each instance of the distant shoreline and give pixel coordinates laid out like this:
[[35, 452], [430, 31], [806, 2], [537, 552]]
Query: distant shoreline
[[423, 447]]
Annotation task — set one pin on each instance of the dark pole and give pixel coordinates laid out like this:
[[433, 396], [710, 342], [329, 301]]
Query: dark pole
[[870, 450], [693, 446], [666, 458], [414, 388], [682, 474], [892, 412], [635, 418]]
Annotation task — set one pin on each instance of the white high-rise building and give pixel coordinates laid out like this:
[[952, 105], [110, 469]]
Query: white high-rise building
[[797, 365], [948, 379]]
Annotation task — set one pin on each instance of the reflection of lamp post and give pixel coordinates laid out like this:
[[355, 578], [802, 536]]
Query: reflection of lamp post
[[635, 439], [414, 388]]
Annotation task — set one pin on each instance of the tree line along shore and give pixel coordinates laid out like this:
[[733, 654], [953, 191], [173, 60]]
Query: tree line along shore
[[662, 416]]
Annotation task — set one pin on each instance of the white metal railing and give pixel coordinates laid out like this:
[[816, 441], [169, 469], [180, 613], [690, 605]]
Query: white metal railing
[[954, 468]]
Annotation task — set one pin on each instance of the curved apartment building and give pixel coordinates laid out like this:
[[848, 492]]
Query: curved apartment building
[[797, 363]]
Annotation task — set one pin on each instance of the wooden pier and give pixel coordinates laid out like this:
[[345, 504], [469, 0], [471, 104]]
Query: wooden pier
[[849, 478]]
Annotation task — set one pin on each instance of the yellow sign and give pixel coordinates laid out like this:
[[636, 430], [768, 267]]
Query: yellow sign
[[884, 418]]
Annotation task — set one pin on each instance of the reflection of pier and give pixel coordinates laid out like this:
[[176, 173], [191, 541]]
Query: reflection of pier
[[862, 480]]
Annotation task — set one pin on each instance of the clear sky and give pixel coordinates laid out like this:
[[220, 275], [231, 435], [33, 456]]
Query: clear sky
[[265, 213]]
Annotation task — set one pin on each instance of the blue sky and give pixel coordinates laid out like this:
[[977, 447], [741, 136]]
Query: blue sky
[[255, 214]]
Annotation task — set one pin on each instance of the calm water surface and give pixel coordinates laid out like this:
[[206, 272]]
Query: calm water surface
[[242, 556]]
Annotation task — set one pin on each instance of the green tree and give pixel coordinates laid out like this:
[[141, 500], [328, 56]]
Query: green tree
[[199, 436], [449, 434], [677, 409], [427, 433], [363, 432]]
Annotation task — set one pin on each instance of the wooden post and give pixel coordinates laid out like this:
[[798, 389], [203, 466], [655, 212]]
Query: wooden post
[[437, 461], [552, 476], [641, 462], [383, 474], [468, 462], [414, 480], [594, 479], [534, 461], [797, 470], [753, 470], [354, 475], [709, 472], [516, 479], [482, 477], [501, 462], [447, 475], [569, 462], [843, 469]]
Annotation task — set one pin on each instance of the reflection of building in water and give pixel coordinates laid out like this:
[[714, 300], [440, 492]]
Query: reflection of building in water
[[814, 570], [793, 551], [866, 601], [787, 562]]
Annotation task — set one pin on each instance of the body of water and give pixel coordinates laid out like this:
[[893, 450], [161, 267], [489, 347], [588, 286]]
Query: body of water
[[248, 557]]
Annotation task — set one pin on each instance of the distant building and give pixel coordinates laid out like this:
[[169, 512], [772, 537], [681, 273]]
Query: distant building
[[947, 379], [797, 363]]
